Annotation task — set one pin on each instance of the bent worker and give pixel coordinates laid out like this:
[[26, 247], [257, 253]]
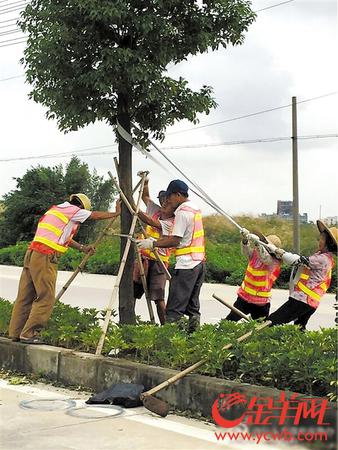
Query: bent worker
[[159, 224], [310, 279], [54, 235], [262, 271], [188, 240]]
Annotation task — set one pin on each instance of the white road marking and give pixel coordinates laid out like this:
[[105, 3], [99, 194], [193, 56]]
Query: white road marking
[[142, 415]]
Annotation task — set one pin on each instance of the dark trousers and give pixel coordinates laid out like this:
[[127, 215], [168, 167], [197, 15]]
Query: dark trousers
[[184, 290], [256, 311], [295, 310]]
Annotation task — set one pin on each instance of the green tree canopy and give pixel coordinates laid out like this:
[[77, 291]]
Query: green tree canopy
[[107, 60], [41, 187]]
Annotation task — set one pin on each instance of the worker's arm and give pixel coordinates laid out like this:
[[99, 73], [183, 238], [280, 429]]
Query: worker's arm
[[148, 220], [101, 215], [164, 242], [168, 242], [246, 249], [145, 193], [264, 255]]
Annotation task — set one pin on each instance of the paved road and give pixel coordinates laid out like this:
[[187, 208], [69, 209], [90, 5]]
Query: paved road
[[94, 291], [83, 427]]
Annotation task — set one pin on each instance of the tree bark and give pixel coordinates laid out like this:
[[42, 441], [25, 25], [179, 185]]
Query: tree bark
[[126, 296]]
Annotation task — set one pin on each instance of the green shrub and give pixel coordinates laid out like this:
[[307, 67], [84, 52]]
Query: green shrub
[[281, 356]]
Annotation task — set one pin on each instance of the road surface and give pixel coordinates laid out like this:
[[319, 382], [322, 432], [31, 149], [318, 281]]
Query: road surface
[[94, 291]]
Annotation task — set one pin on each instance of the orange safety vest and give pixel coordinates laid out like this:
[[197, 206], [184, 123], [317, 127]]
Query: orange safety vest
[[196, 248], [259, 278], [314, 293], [51, 226], [164, 253]]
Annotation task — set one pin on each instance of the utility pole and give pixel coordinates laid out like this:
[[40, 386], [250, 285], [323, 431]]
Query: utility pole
[[295, 202]]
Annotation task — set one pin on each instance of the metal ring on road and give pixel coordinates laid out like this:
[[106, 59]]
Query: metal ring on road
[[90, 411], [48, 404]]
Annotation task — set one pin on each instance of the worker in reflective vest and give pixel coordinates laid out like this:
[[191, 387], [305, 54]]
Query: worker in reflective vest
[[310, 279], [54, 235], [188, 239], [262, 271], [159, 220]]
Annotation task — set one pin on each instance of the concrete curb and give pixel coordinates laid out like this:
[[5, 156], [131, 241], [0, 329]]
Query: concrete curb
[[195, 393]]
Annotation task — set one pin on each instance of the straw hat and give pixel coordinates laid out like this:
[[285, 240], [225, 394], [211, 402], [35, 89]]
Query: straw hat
[[332, 232], [270, 239]]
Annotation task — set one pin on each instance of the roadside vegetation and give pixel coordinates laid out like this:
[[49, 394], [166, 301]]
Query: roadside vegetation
[[281, 357], [225, 264]]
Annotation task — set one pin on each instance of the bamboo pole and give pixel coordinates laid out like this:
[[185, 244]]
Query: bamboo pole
[[113, 297], [144, 284], [125, 200]]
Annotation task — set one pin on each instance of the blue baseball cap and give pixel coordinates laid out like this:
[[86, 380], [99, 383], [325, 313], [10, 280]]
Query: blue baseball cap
[[162, 194], [177, 186]]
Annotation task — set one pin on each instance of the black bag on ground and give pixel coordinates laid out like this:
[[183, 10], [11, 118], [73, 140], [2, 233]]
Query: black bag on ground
[[123, 394]]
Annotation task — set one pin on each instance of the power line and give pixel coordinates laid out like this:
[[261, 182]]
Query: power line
[[12, 78], [274, 6], [10, 20], [79, 152], [14, 43], [251, 114]]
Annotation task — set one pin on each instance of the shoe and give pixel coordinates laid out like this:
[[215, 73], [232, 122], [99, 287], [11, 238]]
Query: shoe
[[34, 340]]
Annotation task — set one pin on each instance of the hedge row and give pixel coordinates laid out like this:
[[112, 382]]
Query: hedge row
[[282, 357]]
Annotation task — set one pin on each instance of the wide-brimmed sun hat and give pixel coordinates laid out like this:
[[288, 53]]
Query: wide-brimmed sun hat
[[269, 239], [332, 232]]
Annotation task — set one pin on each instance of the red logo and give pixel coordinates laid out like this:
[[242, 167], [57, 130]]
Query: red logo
[[267, 410]]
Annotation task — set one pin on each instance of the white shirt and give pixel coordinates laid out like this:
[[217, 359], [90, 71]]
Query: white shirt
[[152, 208], [184, 228], [81, 216]]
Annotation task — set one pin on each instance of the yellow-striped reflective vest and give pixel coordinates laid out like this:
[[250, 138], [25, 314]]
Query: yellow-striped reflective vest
[[164, 253], [52, 224], [259, 278], [314, 291], [196, 248]]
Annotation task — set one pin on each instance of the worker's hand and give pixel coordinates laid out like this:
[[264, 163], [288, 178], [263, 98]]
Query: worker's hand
[[88, 249], [245, 233], [146, 244], [253, 238], [146, 173]]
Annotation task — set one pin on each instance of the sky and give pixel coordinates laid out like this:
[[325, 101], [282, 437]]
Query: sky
[[289, 51]]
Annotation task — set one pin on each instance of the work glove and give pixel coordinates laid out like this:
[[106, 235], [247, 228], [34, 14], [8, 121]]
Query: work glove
[[146, 244], [279, 252], [253, 238], [245, 233], [290, 258]]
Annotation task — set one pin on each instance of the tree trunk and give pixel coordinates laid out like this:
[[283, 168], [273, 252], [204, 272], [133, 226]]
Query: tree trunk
[[126, 296]]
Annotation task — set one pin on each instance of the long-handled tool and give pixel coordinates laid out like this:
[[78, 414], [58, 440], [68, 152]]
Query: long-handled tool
[[113, 297], [233, 308], [162, 408]]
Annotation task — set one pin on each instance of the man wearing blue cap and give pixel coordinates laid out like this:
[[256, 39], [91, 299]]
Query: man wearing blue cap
[[188, 239]]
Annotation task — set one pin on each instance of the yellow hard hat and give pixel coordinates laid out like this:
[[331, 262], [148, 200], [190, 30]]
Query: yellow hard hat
[[275, 240], [83, 199]]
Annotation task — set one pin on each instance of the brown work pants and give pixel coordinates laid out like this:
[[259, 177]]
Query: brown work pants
[[36, 295]]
